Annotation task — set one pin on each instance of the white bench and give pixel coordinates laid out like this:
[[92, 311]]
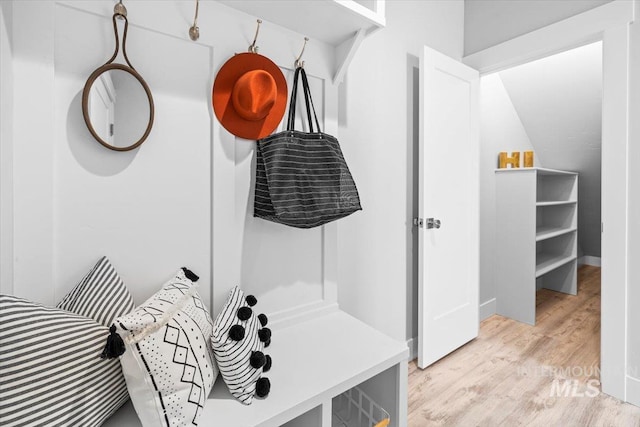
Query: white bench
[[313, 362]]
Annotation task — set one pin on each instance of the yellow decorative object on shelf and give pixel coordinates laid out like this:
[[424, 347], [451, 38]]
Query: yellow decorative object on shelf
[[504, 160], [528, 159], [383, 423]]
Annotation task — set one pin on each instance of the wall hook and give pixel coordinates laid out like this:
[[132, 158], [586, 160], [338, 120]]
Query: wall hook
[[253, 48], [299, 63], [120, 10], [194, 31]]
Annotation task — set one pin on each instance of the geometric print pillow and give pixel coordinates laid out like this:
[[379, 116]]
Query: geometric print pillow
[[100, 295], [167, 361], [51, 372], [239, 339]]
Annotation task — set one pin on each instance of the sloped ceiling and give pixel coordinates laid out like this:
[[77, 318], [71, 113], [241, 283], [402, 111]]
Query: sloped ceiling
[[490, 22], [559, 101]]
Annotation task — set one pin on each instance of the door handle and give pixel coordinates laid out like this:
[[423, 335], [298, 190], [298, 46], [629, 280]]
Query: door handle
[[433, 223]]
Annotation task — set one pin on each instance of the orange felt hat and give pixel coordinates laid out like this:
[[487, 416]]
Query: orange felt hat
[[250, 95]]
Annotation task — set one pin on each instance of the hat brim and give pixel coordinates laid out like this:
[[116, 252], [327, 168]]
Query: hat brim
[[230, 72]]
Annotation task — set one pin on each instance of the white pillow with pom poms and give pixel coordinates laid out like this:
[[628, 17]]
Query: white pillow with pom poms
[[239, 339]]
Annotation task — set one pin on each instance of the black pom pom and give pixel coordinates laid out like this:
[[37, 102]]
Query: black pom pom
[[263, 387], [251, 300], [244, 313], [236, 333], [114, 347], [264, 334], [257, 359], [267, 343], [267, 364], [190, 274], [263, 319]]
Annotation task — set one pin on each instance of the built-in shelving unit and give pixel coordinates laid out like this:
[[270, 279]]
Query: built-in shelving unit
[[536, 237], [341, 23], [313, 362]]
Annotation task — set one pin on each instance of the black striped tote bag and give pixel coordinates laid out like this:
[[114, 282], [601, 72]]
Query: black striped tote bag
[[302, 179]]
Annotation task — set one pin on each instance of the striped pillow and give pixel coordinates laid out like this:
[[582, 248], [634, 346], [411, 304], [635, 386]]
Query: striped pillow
[[51, 372], [101, 295], [238, 341]]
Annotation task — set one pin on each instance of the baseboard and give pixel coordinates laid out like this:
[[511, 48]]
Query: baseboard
[[633, 390], [487, 309], [412, 343], [590, 260]]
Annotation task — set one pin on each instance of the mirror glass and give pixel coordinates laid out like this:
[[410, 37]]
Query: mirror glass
[[118, 107]]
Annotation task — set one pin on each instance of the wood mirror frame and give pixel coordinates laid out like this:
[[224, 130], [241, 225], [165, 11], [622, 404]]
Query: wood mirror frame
[[109, 65]]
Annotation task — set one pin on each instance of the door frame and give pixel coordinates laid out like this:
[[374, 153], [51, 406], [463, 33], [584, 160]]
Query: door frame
[[611, 24]]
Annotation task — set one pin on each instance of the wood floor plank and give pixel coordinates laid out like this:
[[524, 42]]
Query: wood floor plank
[[515, 374]]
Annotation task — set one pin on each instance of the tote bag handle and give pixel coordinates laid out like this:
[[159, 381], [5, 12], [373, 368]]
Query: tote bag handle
[[307, 100]]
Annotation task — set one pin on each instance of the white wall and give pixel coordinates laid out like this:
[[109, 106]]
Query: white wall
[[147, 209], [559, 101], [378, 133], [490, 22], [185, 196], [500, 130]]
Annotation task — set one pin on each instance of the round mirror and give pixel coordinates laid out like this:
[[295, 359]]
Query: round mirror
[[118, 107]]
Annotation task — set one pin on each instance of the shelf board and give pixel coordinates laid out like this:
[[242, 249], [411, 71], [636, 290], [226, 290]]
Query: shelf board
[[544, 233], [547, 262], [540, 171], [545, 171], [557, 203]]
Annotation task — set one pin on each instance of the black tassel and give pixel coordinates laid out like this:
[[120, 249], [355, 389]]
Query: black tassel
[[190, 274], [114, 347]]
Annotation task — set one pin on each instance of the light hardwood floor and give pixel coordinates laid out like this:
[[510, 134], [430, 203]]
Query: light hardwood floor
[[515, 374]]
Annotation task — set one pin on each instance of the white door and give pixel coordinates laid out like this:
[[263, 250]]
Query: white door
[[449, 207]]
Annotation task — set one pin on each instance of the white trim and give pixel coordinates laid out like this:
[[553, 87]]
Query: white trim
[[572, 32], [6, 153], [412, 343], [615, 136], [345, 52], [487, 309], [594, 261], [633, 390]]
